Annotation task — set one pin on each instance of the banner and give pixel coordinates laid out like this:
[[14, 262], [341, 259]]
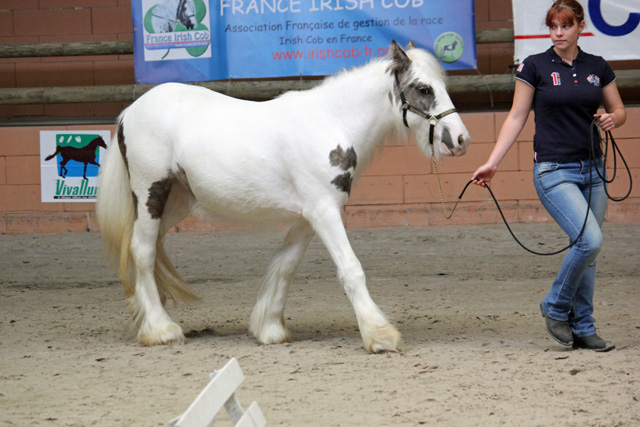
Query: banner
[[200, 40], [69, 163], [612, 28]]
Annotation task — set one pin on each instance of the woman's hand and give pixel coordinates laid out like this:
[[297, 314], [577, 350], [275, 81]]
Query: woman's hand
[[607, 121], [482, 176]]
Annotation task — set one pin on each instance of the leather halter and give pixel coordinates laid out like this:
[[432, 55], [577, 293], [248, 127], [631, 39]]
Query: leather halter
[[433, 119]]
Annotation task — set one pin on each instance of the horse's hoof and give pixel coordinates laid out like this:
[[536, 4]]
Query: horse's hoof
[[385, 339], [170, 334], [272, 334]]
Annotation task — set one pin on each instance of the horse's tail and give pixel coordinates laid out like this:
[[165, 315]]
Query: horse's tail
[[116, 215], [53, 155], [115, 211]]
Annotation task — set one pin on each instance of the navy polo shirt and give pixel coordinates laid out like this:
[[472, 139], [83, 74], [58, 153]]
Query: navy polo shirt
[[565, 100]]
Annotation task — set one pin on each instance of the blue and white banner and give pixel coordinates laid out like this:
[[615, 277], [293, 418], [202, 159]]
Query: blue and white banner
[[612, 28], [200, 40]]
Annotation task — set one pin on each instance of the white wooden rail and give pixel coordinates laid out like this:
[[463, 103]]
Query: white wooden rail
[[219, 393]]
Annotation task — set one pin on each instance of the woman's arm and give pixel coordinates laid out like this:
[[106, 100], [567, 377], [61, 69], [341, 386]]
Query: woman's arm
[[616, 114], [522, 100]]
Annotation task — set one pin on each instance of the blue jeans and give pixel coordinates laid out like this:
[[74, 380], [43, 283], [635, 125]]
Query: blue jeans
[[563, 189]]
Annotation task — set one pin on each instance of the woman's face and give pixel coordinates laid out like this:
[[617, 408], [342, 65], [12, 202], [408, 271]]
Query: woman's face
[[565, 36]]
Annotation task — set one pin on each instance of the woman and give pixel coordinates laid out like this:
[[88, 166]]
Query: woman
[[566, 87]]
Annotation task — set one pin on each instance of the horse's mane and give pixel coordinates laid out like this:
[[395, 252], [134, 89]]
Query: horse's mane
[[427, 60], [380, 66]]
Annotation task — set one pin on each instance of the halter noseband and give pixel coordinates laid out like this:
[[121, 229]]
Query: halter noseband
[[433, 119]]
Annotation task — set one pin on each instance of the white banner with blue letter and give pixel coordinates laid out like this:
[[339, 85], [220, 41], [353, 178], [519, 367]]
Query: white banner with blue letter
[[200, 40], [612, 28]]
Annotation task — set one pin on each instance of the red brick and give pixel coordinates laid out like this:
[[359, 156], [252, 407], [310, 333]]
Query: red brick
[[620, 185], [532, 211], [46, 223], [630, 149], [107, 109], [387, 216], [17, 40], [109, 20], [6, 23], [77, 38], [627, 211], [7, 75], [480, 126], [47, 74], [15, 198], [114, 72], [525, 155], [500, 10], [19, 4], [53, 21], [424, 189], [376, 190], [398, 160], [3, 171], [482, 10], [23, 170], [19, 141], [79, 207], [69, 4], [513, 186], [527, 131], [631, 128], [13, 111], [473, 213]]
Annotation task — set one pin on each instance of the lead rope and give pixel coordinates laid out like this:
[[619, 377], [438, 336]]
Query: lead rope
[[444, 206], [591, 160]]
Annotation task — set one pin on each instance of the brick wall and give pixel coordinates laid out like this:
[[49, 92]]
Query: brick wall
[[53, 21], [399, 187]]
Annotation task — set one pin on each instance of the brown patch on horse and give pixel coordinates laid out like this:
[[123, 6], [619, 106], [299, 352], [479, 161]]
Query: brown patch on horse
[[158, 195], [343, 159], [343, 182], [123, 147], [135, 205]]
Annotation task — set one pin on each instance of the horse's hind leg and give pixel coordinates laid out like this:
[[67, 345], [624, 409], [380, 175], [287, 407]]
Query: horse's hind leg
[[267, 319], [155, 325], [376, 331]]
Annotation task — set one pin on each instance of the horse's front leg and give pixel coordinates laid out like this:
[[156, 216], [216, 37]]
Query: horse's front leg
[[267, 319], [377, 333]]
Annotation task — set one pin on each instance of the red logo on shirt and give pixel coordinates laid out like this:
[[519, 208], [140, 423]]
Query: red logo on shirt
[[556, 78]]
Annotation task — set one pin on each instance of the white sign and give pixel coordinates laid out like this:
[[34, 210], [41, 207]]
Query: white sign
[[69, 164], [612, 28]]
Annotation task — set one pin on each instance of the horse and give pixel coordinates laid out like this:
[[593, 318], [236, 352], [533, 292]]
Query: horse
[[448, 48], [86, 155], [181, 148], [167, 14]]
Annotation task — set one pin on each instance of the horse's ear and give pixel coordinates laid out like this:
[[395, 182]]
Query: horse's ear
[[411, 45], [400, 60]]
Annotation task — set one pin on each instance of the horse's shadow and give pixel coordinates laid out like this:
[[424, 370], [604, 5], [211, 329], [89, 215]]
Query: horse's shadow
[[86, 155]]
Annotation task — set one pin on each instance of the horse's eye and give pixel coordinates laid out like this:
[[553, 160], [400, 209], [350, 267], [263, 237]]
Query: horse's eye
[[425, 90]]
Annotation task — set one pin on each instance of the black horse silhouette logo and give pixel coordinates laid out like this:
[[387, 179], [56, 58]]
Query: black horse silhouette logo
[[86, 155]]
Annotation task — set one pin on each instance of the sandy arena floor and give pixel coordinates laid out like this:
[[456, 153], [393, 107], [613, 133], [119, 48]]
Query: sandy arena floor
[[465, 298]]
